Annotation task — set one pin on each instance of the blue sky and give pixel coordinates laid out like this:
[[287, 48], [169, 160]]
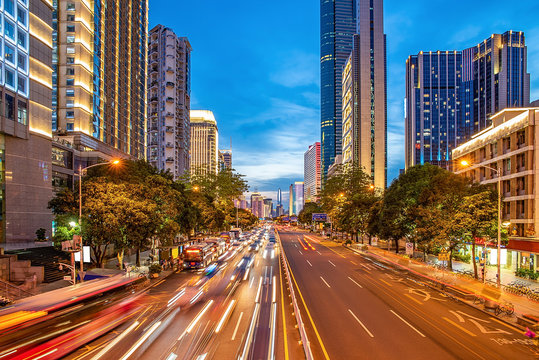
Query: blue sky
[[255, 64]]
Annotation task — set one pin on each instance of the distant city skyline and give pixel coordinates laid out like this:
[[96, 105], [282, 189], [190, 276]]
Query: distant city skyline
[[279, 117]]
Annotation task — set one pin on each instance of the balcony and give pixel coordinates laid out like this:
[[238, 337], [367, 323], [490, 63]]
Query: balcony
[[170, 69], [169, 114], [154, 83], [169, 99], [170, 84], [170, 145], [169, 159], [169, 129], [154, 99]]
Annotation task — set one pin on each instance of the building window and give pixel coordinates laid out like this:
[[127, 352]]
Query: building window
[[70, 28], [70, 39], [21, 84], [70, 103], [70, 60], [10, 107], [70, 7], [521, 138], [21, 16], [70, 49], [70, 93], [70, 71], [21, 38], [9, 30], [70, 82], [21, 61], [10, 77], [9, 7], [70, 114], [69, 127], [9, 53], [22, 114], [70, 17]]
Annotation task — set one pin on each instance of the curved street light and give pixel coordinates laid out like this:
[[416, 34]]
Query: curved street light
[[465, 163]]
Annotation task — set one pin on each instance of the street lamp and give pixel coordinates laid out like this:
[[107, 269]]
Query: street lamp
[[465, 163], [81, 169]]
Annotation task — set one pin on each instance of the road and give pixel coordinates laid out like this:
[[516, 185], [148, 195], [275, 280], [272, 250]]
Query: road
[[356, 307], [249, 317]]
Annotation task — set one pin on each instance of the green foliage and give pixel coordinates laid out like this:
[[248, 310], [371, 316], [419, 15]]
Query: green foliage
[[306, 214], [155, 268], [527, 273], [461, 257], [40, 234]]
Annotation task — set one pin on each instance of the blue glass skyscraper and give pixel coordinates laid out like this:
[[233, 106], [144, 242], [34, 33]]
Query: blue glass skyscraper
[[337, 27]]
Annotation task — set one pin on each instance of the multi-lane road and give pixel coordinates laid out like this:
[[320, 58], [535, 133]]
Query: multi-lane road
[[360, 307]]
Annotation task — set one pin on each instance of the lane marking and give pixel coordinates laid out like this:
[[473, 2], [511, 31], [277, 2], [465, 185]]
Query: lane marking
[[458, 326], [308, 262], [325, 282], [319, 253], [300, 252], [296, 245], [509, 326], [407, 323], [353, 262], [332, 263], [360, 323], [225, 316], [385, 282], [141, 340], [414, 299], [282, 310], [237, 326], [355, 282], [306, 308], [115, 341]]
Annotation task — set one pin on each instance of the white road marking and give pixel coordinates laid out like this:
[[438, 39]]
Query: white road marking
[[325, 282], [360, 323], [355, 282], [300, 252], [332, 263], [296, 245], [319, 253], [237, 326], [407, 323], [308, 262]]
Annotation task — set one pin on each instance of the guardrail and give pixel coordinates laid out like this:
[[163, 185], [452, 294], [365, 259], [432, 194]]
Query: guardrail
[[301, 327]]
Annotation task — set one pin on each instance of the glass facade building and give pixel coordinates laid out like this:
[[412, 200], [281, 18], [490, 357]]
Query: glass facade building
[[337, 27]]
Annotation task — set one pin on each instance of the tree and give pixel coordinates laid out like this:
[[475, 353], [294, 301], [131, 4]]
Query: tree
[[305, 216]]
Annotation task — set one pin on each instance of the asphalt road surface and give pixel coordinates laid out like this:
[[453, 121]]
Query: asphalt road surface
[[359, 307]]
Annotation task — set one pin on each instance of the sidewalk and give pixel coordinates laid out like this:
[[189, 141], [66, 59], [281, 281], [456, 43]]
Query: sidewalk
[[523, 306]]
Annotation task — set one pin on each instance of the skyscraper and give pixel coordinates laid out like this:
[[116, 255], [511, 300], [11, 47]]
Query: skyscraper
[[451, 95], [204, 142], [312, 175], [279, 197], [495, 77], [433, 119], [371, 138], [299, 201], [169, 95], [99, 77], [337, 26], [257, 205], [25, 121]]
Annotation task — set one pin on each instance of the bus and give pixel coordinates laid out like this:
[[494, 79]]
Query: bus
[[235, 233], [218, 244], [198, 256]]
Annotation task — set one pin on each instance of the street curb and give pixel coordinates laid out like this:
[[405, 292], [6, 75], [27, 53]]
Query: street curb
[[517, 326]]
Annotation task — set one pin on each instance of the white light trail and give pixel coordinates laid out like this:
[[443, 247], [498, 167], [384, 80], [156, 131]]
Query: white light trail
[[141, 340], [225, 316]]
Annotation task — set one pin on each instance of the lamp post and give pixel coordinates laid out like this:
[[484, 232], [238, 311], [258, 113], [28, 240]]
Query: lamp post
[[498, 248], [81, 169]]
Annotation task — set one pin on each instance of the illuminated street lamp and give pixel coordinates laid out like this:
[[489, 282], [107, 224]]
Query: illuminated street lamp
[[465, 163], [81, 169]]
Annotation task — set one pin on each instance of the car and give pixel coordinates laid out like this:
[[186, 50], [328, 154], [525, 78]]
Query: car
[[254, 247]]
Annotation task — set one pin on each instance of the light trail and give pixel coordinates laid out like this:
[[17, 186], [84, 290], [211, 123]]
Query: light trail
[[141, 340]]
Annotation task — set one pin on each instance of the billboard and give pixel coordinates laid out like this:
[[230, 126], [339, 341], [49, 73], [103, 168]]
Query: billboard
[[320, 217]]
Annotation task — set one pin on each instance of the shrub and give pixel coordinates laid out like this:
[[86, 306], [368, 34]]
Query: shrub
[[155, 269], [460, 257]]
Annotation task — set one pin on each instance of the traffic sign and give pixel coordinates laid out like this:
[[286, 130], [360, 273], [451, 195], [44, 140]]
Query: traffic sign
[[443, 256], [320, 217], [409, 249]]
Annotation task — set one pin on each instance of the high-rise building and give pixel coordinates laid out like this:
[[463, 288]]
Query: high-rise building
[[495, 77], [268, 208], [291, 200], [99, 77], [169, 95], [225, 159], [299, 201], [451, 95], [433, 119], [279, 197], [25, 122], [370, 79], [204, 142], [257, 205], [312, 175], [337, 26], [279, 210], [240, 202]]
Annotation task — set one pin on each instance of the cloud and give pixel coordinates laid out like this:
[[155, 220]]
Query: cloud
[[464, 37], [297, 69]]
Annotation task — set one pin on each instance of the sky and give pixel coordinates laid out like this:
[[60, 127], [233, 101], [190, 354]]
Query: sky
[[256, 65]]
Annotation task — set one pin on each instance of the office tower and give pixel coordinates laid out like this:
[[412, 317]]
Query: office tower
[[433, 119], [450, 96], [204, 142], [337, 25], [298, 197], [169, 95], [279, 210], [225, 159], [240, 202], [268, 208], [279, 197], [25, 122], [257, 205], [312, 172], [291, 200], [495, 77], [99, 77]]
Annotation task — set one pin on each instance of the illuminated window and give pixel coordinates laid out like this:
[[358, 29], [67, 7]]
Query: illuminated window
[[22, 113], [21, 84], [70, 17], [70, 82], [70, 28], [70, 7], [70, 39], [70, 93], [69, 126], [9, 53], [70, 114], [70, 71], [70, 50]]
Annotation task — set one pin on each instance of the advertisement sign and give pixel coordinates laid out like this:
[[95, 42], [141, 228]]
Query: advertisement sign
[[85, 255], [320, 217], [294, 218]]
